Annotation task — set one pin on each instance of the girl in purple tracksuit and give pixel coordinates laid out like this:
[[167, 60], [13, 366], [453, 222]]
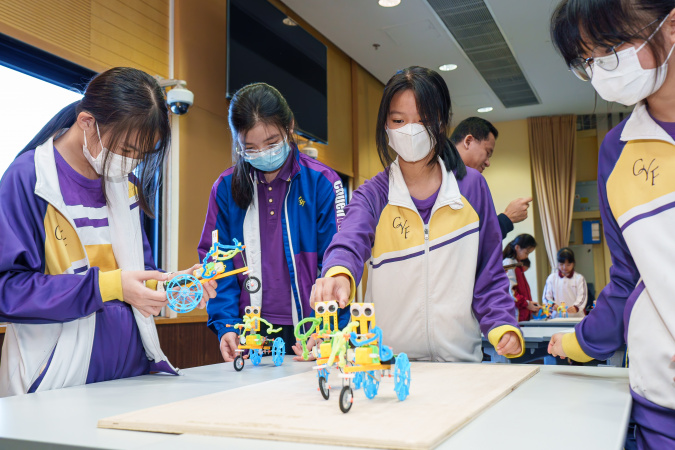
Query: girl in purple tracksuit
[[623, 47], [283, 205], [74, 261], [427, 229]]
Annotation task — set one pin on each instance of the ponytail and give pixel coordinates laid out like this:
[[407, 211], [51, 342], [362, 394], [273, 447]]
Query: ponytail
[[63, 119], [522, 241], [452, 160]]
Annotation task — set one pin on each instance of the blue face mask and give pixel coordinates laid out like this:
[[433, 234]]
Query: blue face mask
[[269, 159]]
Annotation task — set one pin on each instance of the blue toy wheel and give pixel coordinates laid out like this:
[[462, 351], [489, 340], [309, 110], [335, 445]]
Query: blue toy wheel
[[358, 380], [184, 293], [402, 376], [278, 351], [371, 384], [255, 356]]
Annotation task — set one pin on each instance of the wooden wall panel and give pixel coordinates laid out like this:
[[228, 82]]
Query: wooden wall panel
[[205, 142], [369, 94], [189, 344], [94, 33], [185, 344], [64, 23], [338, 153]]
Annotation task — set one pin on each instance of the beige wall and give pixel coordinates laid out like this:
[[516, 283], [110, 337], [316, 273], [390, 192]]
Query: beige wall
[[587, 155], [509, 177]]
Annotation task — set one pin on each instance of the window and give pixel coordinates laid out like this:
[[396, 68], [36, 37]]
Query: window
[[28, 103]]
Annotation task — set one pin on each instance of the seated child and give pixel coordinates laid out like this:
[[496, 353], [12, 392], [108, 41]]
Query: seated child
[[567, 286]]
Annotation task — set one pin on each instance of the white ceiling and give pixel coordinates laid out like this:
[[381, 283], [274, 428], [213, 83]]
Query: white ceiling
[[412, 34]]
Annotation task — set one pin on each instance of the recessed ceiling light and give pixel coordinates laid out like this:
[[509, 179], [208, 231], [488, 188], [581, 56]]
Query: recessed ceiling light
[[486, 109], [447, 67], [290, 22], [389, 3]]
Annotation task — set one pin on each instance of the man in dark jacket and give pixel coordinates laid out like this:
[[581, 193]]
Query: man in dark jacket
[[475, 140]]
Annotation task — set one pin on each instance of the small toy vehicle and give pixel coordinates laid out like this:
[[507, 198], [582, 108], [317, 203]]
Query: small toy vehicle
[[257, 345], [361, 358], [184, 292]]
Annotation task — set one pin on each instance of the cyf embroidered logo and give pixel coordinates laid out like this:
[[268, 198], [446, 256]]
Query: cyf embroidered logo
[[301, 201]]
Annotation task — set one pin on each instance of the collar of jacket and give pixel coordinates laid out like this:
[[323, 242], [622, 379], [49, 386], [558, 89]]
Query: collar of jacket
[[560, 274], [448, 194], [47, 178], [641, 126]]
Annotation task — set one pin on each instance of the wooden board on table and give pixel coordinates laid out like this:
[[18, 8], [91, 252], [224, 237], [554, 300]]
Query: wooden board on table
[[443, 398]]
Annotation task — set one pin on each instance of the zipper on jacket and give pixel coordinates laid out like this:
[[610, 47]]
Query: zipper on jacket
[[426, 289], [290, 245]]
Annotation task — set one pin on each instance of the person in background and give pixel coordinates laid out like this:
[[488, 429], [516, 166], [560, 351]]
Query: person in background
[[283, 205], [77, 278], [475, 139], [521, 292], [513, 255], [427, 229], [566, 286]]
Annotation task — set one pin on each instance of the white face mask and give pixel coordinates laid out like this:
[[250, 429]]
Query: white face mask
[[629, 82], [118, 167], [411, 142]]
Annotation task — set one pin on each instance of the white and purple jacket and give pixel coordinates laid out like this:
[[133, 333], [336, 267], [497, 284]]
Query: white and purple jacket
[[636, 182], [54, 301], [436, 285]]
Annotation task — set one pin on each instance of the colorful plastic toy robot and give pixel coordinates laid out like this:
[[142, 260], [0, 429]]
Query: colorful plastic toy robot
[[543, 313], [256, 344], [562, 310], [361, 358], [184, 292]]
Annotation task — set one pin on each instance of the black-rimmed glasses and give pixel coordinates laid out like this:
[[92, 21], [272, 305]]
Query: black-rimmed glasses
[[605, 57]]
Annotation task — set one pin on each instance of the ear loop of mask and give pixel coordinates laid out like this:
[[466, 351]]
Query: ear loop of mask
[[100, 142], [654, 34], [84, 133]]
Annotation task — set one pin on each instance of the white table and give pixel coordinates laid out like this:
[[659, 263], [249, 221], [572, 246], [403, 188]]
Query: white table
[[598, 398], [562, 322]]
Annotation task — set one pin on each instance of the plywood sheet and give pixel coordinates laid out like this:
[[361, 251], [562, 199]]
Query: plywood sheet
[[443, 398]]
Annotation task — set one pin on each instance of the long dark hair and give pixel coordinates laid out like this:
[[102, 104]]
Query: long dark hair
[[126, 103], [578, 26], [522, 241], [435, 110], [257, 103]]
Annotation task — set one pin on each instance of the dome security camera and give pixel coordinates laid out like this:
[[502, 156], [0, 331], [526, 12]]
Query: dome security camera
[[179, 100]]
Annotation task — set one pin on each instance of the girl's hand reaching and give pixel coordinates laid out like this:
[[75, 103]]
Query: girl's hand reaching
[[297, 349], [337, 288], [532, 306]]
